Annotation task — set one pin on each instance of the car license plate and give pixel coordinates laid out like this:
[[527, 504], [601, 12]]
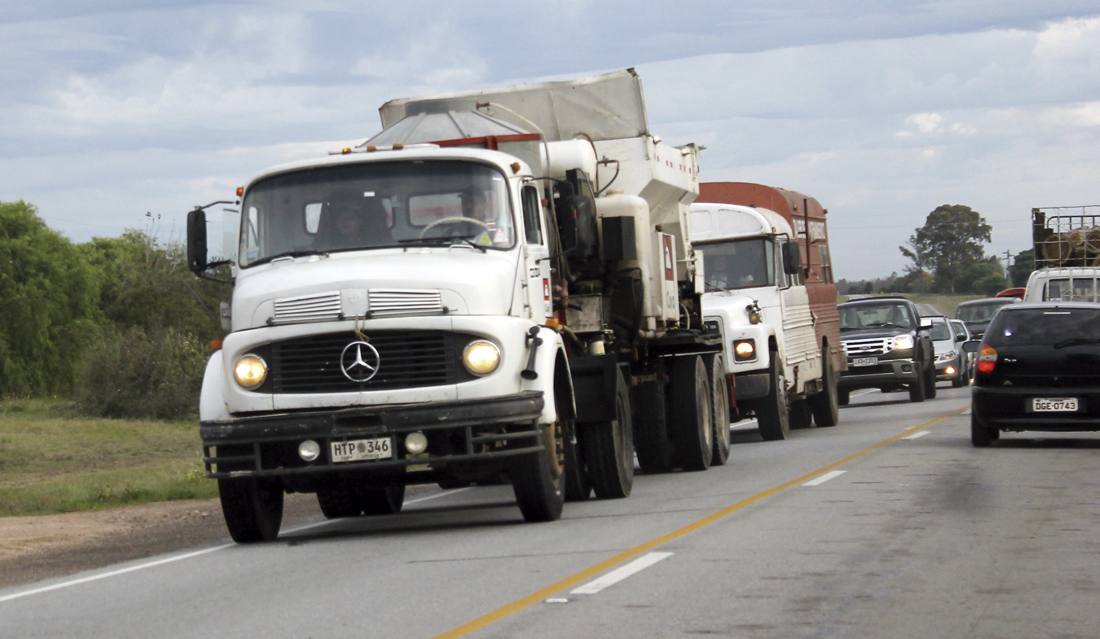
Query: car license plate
[[362, 450], [864, 361], [1054, 404]]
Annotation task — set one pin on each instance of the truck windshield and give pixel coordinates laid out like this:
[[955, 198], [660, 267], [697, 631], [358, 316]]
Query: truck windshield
[[373, 205], [738, 264]]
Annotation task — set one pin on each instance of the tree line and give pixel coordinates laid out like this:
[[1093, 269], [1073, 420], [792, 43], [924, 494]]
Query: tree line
[[947, 256], [118, 325]]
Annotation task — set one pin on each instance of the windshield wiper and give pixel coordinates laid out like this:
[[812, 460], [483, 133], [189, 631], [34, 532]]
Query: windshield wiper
[[1075, 341], [884, 325], [433, 241], [302, 253]]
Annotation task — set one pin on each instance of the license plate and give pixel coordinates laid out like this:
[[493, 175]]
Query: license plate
[[864, 361], [1054, 405], [362, 450]]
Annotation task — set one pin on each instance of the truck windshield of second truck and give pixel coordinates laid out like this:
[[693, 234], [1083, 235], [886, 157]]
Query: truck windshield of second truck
[[738, 264], [375, 205]]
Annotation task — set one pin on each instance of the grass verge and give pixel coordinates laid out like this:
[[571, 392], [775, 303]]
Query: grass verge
[[53, 462]]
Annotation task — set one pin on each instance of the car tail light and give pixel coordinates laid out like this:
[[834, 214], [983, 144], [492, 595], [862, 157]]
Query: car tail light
[[987, 360]]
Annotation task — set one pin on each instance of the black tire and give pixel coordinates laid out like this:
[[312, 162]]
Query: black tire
[[916, 388], [981, 436], [930, 381], [253, 508], [577, 485], [801, 417], [843, 396], [380, 500], [689, 413], [608, 448], [719, 409], [338, 500], [826, 404], [773, 411], [959, 381], [651, 428], [538, 481]]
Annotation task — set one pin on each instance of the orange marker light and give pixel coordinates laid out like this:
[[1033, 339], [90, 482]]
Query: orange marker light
[[240, 191]]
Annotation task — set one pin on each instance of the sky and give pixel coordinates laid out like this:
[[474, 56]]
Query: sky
[[122, 114]]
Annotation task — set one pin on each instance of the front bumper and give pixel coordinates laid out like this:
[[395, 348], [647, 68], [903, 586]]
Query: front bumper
[[941, 369], [1007, 409], [464, 431], [889, 372]]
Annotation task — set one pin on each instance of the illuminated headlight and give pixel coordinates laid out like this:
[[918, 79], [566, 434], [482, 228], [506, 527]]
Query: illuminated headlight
[[309, 450], [944, 357], [416, 443], [902, 342], [744, 350], [481, 357], [950, 370], [250, 371]]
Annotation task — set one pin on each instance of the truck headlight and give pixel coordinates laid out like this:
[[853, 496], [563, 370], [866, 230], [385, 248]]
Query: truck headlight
[[481, 357], [903, 342], [250, 371], [744, 350]]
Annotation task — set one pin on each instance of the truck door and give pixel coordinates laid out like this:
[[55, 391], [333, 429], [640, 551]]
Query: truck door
[[536, 266]]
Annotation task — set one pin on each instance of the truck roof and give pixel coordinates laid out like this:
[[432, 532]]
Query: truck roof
[[708, 222], [789, 204]]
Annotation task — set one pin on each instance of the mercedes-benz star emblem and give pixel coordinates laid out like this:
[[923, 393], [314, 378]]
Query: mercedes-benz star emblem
[[359, 361]]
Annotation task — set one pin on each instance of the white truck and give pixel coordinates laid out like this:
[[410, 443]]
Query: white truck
[[1066, 240], [489, 287], [770, 294]]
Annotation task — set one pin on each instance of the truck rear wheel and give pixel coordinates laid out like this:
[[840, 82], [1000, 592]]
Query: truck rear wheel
[[689, 413], [380, 500], [719, 409], [538, 481], [651, 428], [253, 508], [773, 411], [608, 448], [826, 404], [843, 396]]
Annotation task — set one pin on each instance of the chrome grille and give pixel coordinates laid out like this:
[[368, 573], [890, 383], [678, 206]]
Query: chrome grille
[[407, 359], [310, 308], [866, 347], [395, 301]]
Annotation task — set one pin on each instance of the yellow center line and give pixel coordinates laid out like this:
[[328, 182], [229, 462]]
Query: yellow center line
[[625, 555]]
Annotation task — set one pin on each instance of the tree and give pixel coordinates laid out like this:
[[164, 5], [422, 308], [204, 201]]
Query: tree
[[48, 304], [950, 240], [1022, 267]]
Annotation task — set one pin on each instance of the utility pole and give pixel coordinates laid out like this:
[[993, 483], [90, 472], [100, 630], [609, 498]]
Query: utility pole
[[1008, 273]]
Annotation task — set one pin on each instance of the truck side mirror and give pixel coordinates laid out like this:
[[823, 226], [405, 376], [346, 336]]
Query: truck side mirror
[[196, 240], [792, 259]]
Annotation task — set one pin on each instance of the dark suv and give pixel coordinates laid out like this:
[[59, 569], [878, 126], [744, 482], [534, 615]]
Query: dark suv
[[888, 348], [977, 313], [1038, 369]]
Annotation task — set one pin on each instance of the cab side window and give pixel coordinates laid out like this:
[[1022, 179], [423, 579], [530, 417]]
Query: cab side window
[[531, 206]]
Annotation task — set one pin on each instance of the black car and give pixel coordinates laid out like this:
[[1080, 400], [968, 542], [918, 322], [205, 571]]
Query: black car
[[977, 313], [888, 347], [1038, 369]]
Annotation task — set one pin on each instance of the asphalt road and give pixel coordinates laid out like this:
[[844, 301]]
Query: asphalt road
[[888, 525]]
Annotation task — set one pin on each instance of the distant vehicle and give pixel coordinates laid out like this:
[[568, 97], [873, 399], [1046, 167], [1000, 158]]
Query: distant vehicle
[[1038, 369], [928, 310], [977, 313], [1012, 292], [962, 336], [888, 347], [1066, 240], [950, 358]]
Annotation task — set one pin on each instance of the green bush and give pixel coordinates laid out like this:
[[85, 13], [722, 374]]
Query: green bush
[[135, 373]]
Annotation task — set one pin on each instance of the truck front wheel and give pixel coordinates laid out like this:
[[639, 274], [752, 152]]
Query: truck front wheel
[[689, 410], [773, 411], [538, 480], [253, 508], [608, 448]]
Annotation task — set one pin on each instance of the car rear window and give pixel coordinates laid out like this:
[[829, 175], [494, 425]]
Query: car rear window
[[1044, 326]]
